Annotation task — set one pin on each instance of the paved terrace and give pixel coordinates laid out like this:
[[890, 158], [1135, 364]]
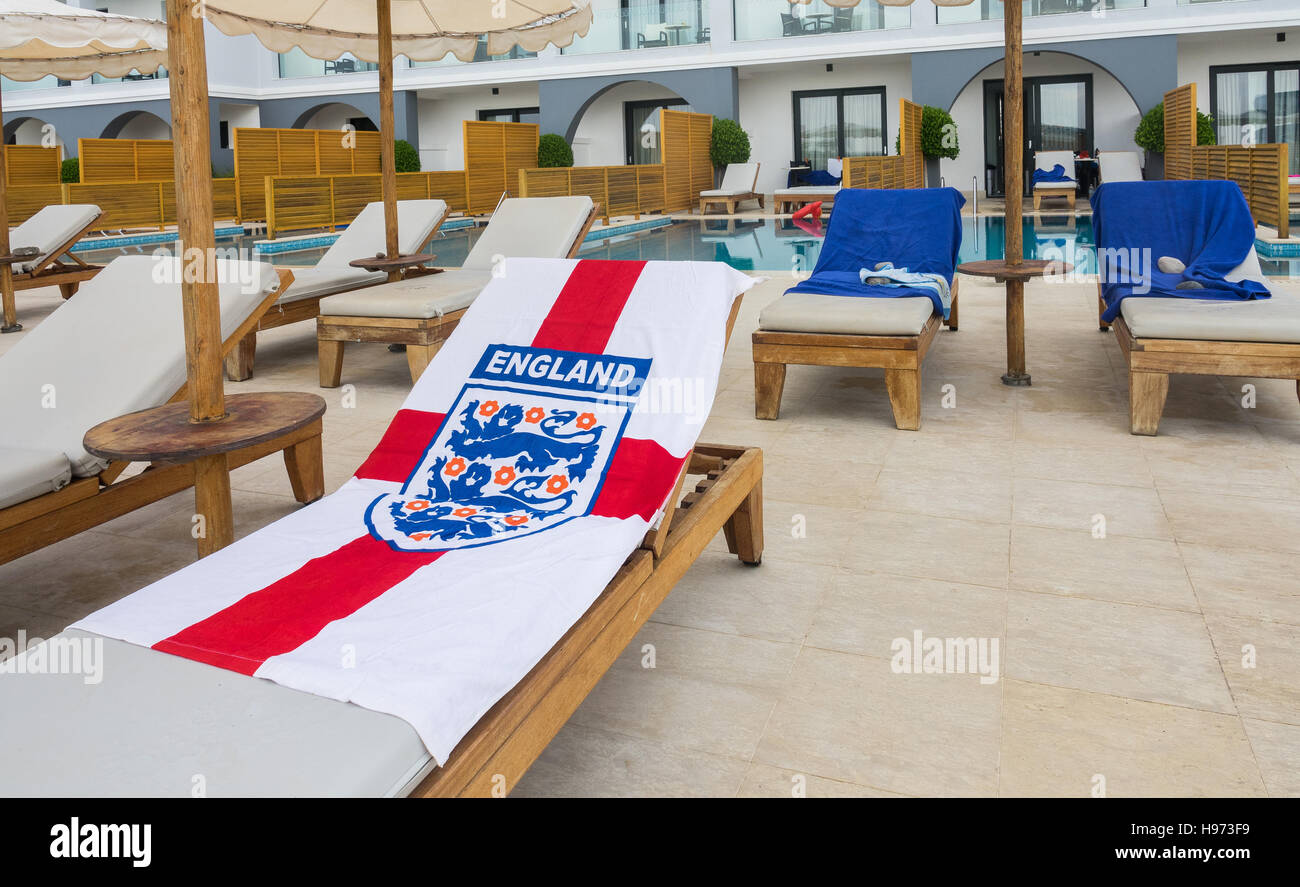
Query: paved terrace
[[1120, 658]]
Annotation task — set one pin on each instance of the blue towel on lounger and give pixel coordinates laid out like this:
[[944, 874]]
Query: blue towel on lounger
[[1055, 176], [820, 177], [1205, 225], [918, 229]]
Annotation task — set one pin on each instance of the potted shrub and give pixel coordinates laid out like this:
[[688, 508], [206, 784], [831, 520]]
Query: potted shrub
[[553, 150], [405, 157], [729, 144], [938, 139], [70, 172], [1150, 137]]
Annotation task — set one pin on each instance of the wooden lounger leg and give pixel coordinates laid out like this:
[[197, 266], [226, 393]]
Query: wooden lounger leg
[[329, 361], [952, 310], [904, 388], [418, 357], [11, 324], [306, 466], [769, 383], [212, 503], [68, 290], [744, 529], [1101, 310], [239, 363], [1146, 401]]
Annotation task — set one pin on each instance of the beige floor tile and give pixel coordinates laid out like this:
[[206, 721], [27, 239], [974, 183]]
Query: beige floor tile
[[926, 546], [776, 601], [1233, 521], [978, 496], [19, 624], [1244, 582], [708, 692], [1121, 569], [1118, 463], [850, 718], [1277, 750], [864, 613], [1140, 652], [1069, 743], [1261, 661], [762, 781], [1066, 505], [593, 763]]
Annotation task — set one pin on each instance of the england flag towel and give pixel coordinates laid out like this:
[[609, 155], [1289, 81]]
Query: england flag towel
[[527, 464]]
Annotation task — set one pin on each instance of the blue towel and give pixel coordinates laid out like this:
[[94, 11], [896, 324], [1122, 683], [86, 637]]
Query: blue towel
[[1206, 225], [918, 229], [1056, 176], [820, 177]]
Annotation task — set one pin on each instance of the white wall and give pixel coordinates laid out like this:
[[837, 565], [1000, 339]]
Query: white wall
[[442, 144], [1198, 52], [601, 139], [333, 116], [30, 133], [1114, 113], [767, 105], [145, 126]]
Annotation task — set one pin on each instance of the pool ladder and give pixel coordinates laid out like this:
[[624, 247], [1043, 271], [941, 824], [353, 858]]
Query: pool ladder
[[975, 195]]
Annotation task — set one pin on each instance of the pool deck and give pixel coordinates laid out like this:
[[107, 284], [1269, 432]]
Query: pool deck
[[1121, 658]]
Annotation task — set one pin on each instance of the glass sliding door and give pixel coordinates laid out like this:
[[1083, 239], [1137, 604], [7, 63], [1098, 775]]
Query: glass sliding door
[[838, 123], [641, 128], [1258, 104], [1058, 117]]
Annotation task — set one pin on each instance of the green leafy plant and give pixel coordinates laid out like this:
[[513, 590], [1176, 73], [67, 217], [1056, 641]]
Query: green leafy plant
[[1150, 134], [938, 134], [730, 143], [405, 157], [70, 172], [553, 150]]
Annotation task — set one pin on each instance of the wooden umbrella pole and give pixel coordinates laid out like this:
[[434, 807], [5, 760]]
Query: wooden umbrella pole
[[11, 324], [1014, 132], [188, 82], [387, 125]]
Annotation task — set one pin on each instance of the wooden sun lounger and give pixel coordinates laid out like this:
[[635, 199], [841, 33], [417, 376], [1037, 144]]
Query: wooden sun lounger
[[1151, 362], [731, 201], [90, 501], [422, 336], [789, 202], [239, 363], [53, 271], [900, 357]]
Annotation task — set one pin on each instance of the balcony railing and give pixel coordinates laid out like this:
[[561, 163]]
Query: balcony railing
[[768, 19], [644, 24], [991, 10], [133, 77], [296, 63], [480, 55]]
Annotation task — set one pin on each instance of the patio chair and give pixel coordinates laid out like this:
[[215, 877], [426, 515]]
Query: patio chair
[[52, 232], [1119, 166], [1225, 325], [1054, 177], [835, 318], [420, 312], [467, 663], [417, 222], [738, 184], [652, 36], [117, 348]]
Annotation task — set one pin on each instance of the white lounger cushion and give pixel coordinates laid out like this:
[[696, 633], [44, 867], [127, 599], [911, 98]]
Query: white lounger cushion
[[416, 222], [26, 474], [530, 228], [739, 178], [1120, 166], [1259, 320], [49, 230], [813, 313], [156, 721], [800, 190], [116, 348], [429, 295]]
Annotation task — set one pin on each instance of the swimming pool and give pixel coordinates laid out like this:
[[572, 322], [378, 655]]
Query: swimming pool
[[761, 245]]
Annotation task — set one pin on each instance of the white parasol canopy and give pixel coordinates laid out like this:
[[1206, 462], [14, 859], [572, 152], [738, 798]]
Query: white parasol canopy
[[423, 30], [43, 37]]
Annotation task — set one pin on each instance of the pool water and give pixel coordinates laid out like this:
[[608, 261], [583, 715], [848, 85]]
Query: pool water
[[761, 245]]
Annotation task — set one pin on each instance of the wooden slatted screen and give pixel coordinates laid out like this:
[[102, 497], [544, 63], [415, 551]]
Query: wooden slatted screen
[[126, 160], [125, 204], [30, 165], [1260, 170], [297, 203], [495, 151], [620, 190], [684, 140], [296, 152], [909, 143]]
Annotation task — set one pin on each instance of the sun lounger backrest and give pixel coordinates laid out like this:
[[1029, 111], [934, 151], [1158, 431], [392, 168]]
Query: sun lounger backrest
[[918, 229], [416, 221], [530, 228], [50, 229], [1046, 160], [1120, 166], [117, 347], [740, 177]]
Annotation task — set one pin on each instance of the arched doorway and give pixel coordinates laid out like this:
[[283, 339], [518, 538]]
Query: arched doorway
[[618, 125], [335, 115], [32, 131], [137, 125]]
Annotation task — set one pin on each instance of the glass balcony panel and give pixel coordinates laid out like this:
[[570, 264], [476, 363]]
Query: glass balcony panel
[[769, 19], [644, 24], [991, 10], [296, 63], [19, 85], [133, 77]]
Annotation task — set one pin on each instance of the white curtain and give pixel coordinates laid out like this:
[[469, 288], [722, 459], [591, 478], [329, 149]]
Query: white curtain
[[1063, 117], [863, 125], [1286, 113], [641, 14], [1242, 103], [818, 129]]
